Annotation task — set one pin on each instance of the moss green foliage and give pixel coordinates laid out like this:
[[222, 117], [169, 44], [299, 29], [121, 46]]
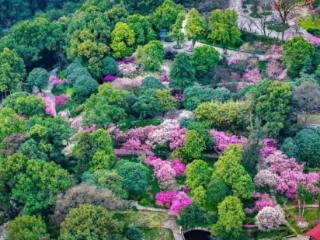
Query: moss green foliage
[[31, 39], [195, 95], [271, 104], [93, 151], [90, 222], [38, 77], [48, 135], [150, 56], [229, 169], [151, 82], [166, 100], [198, 173], [196, 25], [117, 13], [12, 71], [142, 28], [204, 59], [136, 177], [25, 104], [35, 184], [224, 116], [231, 216], [134, 233], [87, 36], [217, 190], [290, 148], [193, 146], [223, 27], [26, 228], [123, 40], [105, 107], [166, 14], [195, 216], [311, 24], [308, 144], [176, 30], [112, 181], [182, 73], [296, 51], [10, 123]]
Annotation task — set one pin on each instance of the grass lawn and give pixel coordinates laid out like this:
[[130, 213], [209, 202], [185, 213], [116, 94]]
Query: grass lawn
[[157, 234], [311, 215], [149, 222]]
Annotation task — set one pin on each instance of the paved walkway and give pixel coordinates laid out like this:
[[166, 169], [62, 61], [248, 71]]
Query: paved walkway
[[254, 25]]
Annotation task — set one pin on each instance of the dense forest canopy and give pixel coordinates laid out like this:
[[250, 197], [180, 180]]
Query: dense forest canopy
[[132, 120]]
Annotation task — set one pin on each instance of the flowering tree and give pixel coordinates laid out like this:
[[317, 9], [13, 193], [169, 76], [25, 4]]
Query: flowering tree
[[252, 76], [54, 80], [176, 201], [223, 140], [270, 218]]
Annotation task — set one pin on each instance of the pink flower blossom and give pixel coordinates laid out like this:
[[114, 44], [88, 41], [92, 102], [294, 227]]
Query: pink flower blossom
[[270, 218], [269, 145], [55, 80], [312, 39], [264, 200], [252, 76], [109, 78], [50, 106], [178, 167], [61, 100], [176, 137], [223, 140], [176, 201]]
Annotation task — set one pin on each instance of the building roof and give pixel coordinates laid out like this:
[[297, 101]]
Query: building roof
[[314, 233]]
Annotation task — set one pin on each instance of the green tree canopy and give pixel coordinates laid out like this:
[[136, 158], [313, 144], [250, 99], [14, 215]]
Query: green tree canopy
[[88, 36], [295, 52], [12, 71], [166, 14], [31, 39], [90, 222], [195, 95], [26, 228], [272, 104], [204, 59], [123, 40], [36, 188], [93, 151], [229, 169], [195, 25], [182, 72], [105, 107], [223, 27], [150, 56], [25, 104], [142, 28], [136, 177], [38, 77], [198, 173], [231, 216], [193, 146]]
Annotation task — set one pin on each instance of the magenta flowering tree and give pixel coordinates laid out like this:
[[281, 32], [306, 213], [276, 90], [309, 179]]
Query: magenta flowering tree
[[252, 76], [176, 137], [269, 146], [176, 201], [50, 105], [54, 80], [166, 170], [109, 78], [263, 200], [282, 173], [223, 140], [275, 70], [312, 39], [133, 146], [61, 100], [179, 167], [270, 218]]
